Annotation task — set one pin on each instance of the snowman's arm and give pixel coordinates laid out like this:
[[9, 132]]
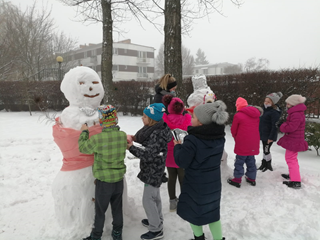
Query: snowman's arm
[[86, 145]]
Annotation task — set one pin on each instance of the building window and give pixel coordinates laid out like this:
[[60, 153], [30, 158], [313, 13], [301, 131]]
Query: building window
[[115, 51], [142, 54], [143, 72], [205, 71]]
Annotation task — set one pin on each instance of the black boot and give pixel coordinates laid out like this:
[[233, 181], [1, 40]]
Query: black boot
[[199, 238], [291, 184], [263, 164], [285, 176], [268, 166]]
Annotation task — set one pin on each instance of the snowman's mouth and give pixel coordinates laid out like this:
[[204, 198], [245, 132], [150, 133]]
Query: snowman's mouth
[[91, 96]]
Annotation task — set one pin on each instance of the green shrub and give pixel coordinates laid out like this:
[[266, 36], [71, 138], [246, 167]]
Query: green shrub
[[312, 134]]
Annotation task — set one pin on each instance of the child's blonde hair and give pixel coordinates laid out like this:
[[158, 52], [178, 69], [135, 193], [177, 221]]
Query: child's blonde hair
[[151, 121], [165, 80]]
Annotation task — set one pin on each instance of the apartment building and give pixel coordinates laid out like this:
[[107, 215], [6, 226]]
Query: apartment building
[[217, 69], [130, 61]]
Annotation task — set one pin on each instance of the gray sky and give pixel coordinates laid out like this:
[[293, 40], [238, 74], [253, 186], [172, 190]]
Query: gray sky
[[286, 32]]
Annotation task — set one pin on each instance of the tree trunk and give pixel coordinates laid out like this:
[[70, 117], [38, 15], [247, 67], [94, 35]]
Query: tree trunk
[[172, 42], [107, 50]]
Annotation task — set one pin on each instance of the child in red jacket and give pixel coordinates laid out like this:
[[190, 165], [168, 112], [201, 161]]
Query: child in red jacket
[[175, 119], [245, 131]]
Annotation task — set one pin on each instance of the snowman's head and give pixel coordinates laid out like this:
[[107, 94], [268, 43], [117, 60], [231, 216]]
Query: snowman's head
[[82, 87]]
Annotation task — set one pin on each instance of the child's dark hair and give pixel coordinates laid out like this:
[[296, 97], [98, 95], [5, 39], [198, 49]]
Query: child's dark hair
[[176, 107]]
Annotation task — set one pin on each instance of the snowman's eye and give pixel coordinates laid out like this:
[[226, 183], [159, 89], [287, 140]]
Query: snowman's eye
[[81, 83], [95, 82]]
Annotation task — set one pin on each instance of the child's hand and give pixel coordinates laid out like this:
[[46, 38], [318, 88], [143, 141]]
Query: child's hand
[[129, 138], [84, 127], [176, 142]]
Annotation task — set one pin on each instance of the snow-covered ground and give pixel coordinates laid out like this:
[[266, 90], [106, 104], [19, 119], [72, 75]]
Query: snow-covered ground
[[30, 160]]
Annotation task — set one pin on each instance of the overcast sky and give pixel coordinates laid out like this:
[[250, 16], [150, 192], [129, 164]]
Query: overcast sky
[[286, 32]]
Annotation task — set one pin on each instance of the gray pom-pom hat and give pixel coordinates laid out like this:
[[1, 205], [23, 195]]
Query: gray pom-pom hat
[[212, 112]]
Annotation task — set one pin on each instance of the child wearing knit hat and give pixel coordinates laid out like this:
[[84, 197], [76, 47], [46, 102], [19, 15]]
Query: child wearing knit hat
[[293, 140], [109, 149], [154, 137], [245, 131], [175, 118], [200, 156], [268, 127]]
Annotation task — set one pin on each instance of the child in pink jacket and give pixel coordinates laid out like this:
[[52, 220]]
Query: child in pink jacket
[[245, 131], [293, 140], [175, 118]]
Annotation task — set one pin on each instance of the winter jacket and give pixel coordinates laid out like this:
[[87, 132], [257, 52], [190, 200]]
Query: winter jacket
[[159, 94], [175, 121], [67, 141], [267, 127], [109, 149], [293, 128], [153, 156], [200, 156], [245, 131]]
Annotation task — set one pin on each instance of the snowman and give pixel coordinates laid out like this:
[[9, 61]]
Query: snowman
[[73, 188], [202, 94]]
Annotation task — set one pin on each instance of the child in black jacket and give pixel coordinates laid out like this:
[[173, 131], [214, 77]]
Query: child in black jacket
[[154, 137]]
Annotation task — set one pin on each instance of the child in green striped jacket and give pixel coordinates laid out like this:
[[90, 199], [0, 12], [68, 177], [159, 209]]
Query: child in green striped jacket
[[109, 149]]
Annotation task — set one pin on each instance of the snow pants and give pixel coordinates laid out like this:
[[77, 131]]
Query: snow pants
[[250, 161], [292, 161]]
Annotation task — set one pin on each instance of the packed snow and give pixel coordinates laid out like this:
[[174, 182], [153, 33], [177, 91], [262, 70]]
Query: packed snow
[[30, 160]]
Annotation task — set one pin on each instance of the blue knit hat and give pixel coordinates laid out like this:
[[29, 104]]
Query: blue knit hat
[[155, 111]]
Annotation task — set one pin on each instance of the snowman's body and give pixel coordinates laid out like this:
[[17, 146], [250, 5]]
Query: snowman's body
[[202, 94], [73, 189]]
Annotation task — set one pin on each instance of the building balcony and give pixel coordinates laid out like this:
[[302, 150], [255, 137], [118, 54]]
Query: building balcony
[[143, 61]]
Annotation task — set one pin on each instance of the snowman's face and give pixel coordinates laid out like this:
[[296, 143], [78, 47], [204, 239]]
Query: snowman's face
[[82, 87]]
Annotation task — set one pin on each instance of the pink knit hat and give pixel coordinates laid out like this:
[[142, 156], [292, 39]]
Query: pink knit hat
[[241, 103], [174, 105], [295, 99]]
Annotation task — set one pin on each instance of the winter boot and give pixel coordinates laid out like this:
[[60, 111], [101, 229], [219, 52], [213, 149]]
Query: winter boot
[[91, 238], [263, 164], [291, 184], [234, 182], [173, 204], [152, 235], [199, 238], [116, 235], [251, 181], [268, 166], [145, 222], [285, 176]]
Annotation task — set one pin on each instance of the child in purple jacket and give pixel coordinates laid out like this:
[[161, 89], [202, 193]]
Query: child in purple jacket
[[293, 140]]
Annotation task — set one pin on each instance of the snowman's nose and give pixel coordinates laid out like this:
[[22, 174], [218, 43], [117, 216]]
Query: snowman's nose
[[90, 88]]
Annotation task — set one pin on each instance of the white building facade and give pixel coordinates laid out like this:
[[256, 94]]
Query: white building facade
[[212, 69], [130, 61]]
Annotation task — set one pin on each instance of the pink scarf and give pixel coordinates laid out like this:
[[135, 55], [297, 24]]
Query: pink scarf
[[67, 141]]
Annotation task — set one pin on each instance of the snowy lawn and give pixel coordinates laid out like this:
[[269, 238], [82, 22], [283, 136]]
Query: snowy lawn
[[30, 161]]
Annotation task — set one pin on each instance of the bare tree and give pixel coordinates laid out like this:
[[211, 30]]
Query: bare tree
[[109, 12], [30, 43], [175, 13], [254, 65], [187, 62]]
